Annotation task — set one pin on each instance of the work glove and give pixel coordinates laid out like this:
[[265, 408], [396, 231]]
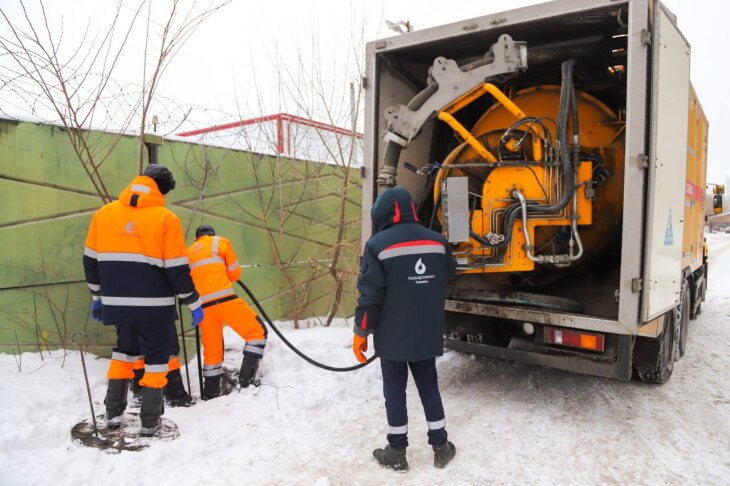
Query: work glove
[[96, 310], [359, 346], [197, 316]]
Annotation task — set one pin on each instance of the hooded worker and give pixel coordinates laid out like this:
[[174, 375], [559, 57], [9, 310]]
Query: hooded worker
[[402, 288], [136, 264], [214, 267]]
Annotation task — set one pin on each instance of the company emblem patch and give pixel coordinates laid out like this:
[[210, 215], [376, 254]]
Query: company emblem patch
[[420, 267]]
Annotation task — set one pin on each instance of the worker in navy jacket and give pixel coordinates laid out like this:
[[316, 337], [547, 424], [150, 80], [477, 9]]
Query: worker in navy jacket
[[402, 288]]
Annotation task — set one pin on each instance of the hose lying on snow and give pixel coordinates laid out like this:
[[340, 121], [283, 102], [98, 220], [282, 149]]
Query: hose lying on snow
[[291, 346]]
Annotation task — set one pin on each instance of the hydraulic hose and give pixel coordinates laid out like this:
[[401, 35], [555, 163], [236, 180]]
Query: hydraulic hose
[[566, 108], [291, 346]]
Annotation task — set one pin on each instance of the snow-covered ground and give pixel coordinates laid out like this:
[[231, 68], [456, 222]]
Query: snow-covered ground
[[511, 423]]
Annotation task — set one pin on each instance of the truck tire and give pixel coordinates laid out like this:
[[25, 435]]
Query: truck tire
[[698, 308], [662, 350], [683, 319]]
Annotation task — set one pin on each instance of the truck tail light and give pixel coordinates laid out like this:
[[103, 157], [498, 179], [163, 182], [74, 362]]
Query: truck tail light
[[573, 339]]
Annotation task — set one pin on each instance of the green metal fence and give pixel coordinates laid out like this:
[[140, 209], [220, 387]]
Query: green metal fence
[[282, 216]]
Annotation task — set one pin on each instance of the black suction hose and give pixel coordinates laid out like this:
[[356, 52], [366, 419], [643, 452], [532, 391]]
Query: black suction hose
[[291, 346]]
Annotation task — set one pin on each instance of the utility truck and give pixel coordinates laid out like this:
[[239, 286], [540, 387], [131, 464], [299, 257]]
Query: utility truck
[[562, 151]]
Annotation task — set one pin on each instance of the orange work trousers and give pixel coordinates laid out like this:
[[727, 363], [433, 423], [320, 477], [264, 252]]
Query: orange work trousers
[[242, 319], [156, 339]]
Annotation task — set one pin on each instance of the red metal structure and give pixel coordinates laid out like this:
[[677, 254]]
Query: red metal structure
[[283, 136]]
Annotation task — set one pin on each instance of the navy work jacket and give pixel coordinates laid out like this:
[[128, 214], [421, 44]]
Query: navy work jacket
[[402, 282]]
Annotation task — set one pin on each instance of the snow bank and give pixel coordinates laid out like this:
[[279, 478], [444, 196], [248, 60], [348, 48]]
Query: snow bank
[[512, 424]]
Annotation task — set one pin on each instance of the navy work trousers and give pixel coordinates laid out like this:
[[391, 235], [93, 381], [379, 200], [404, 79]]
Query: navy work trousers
[[156, 342], [395, 378]]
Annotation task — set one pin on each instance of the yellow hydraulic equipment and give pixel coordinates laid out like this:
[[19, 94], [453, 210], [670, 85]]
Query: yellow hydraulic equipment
[[512, 154]]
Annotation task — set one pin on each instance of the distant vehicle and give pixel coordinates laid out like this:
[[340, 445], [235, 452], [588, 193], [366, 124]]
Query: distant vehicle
[[717, 212], [563, 152]]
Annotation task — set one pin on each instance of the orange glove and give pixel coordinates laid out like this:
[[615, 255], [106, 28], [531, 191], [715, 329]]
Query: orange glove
[[359, 346]]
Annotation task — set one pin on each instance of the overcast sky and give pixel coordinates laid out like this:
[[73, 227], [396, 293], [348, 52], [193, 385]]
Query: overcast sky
[[231, 66]]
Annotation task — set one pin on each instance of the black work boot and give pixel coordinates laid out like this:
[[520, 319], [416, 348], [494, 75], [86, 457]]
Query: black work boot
[[137, 388], [212, 387], [443, 454], [247, 376], [116, 402], [175, 393], [153, 406], [392, 458]]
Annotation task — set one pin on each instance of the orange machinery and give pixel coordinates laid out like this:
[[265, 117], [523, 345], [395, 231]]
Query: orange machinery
[[553, 147]]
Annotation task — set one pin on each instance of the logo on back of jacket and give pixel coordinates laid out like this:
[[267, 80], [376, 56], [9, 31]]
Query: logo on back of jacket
[[129, 230], [420, 270]]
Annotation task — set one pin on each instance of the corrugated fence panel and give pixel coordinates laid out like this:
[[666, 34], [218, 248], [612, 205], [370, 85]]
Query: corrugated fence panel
[[257, 201]]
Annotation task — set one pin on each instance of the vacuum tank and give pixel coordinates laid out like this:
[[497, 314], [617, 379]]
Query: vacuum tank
[[555, 147]]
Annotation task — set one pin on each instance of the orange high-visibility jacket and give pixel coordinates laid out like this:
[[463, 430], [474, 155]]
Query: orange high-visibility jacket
[[135, 259], [213, 265]]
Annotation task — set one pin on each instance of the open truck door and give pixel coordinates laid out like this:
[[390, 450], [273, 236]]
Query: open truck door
[[662, 276]]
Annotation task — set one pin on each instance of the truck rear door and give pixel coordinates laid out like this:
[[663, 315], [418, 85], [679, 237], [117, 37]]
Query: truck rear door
[[667, 166]]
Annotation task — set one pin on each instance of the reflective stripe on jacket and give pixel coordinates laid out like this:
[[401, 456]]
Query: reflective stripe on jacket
[[213, 266], [135, 259], [402, 282]]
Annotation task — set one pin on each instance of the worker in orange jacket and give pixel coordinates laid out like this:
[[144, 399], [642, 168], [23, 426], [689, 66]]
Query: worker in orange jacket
[[214, 266], [135, 263]]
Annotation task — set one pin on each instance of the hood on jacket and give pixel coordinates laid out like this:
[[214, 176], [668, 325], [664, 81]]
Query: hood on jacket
[[393, 206], [142, 192]]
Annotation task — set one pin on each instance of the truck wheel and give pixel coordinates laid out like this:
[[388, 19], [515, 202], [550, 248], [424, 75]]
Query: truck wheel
[[664, 350], [698, 310], [683, 320]]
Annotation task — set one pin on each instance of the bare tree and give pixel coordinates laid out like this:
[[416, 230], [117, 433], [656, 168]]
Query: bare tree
[[315, 95], [301, 181], [286, 192], [76, 83], [71, 79], [292, 187], [178, 28], [54, 295]]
